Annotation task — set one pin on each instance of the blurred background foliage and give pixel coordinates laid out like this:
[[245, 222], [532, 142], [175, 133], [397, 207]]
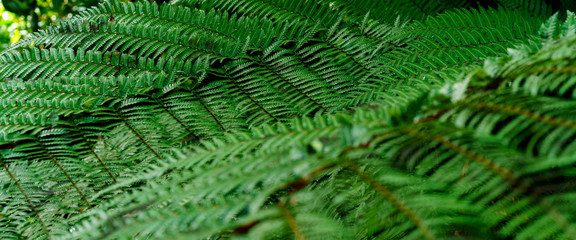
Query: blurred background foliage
[[20, 17]]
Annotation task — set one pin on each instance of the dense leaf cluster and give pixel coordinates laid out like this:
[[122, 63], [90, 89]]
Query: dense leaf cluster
[[204, 119]]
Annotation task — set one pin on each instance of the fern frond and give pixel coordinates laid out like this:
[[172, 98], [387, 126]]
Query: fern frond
[[282, 119], [537, 6], [36, 63], [439, 47]]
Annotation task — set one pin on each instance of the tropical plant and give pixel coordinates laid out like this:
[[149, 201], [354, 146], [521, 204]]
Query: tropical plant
[[245, 119], [20, 17]]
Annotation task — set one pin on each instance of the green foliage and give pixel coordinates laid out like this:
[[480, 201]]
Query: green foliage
[[22, 17], [291, 119]]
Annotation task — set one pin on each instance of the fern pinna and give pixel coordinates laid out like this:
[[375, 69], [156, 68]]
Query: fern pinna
[[292, 119]]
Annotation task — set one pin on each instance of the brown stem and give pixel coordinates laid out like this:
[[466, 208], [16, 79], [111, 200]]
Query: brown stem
[[291, 221], [27, 198], [417, 220], [65, 173]]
